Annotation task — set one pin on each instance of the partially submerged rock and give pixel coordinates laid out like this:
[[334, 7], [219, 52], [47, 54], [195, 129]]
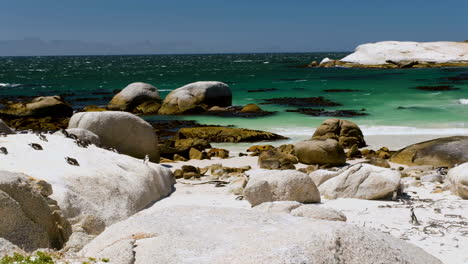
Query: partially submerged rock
[[227, 134], [137, 97], [362, 181], [122, 131], [447, 151], [239, 236], [285, 185], [346, 132], [196, 97]]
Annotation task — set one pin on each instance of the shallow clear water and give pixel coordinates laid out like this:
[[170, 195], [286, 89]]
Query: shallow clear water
[[381, 91]]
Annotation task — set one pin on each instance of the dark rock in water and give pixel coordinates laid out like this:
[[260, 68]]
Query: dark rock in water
[[447, 151], [323, 112], [341, 90], [437, 88], [262, 90], [169, 128], [458, 78], [345, 132], [401, 107], [250, 110], [227, 134], [301, 101]]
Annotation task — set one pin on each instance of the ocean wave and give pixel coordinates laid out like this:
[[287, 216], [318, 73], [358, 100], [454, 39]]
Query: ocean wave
[[299, 132], [463, 101], [9, 85]]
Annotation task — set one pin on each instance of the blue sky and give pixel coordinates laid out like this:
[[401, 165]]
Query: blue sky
[[208, 26]]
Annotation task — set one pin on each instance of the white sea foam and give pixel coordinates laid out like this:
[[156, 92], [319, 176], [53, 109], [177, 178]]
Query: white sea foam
[[9, 85], [463, 101]]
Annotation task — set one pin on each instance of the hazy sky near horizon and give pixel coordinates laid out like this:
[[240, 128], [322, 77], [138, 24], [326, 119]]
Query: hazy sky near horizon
[[29, 27]]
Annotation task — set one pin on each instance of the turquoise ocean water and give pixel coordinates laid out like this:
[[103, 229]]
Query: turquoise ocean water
[[84, 80]]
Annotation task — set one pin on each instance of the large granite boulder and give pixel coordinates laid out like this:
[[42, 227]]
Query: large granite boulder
[[44, 106], [285, 185], [227, 134], [345, 132], [362, 181], [320, 152], [275, 160], [82, 134], [122, 131], [29, 219], [191, 234], [196, 97], [447, 151], [94, 187], [137, 97], [458, 180], [5, 129]]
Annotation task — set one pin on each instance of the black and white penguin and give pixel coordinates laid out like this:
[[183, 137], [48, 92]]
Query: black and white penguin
[[35, 146], [72, 161], [3, 150]]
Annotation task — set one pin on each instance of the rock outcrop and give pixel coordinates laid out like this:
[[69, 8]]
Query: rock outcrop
[[137, 97], [285, 185], [196, 97], [447, 151], [407, 54], [458, 180], [362, 181], [44, 106], [94, 187], [344, 131], [28, 218], [227, 134], [5, 129], [275, 160], [320, 152], [170, 235], [122, 131]]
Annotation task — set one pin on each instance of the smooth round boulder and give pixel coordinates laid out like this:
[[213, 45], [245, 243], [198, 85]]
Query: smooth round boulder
[[83, 134], [458, 180], [440, 152], [5, 129], [320, 152], [44, 106], [362, 181], [286, 185], [26, 218], [122, 131], [136, 97], [345, 132], [196, 97]]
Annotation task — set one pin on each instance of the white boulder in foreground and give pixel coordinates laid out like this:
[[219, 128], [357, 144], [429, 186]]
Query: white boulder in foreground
[[458, 180], [106, 186], [285, 185], [191, 234], [127, 133], [362, 181], [26, 218], [381, 53]]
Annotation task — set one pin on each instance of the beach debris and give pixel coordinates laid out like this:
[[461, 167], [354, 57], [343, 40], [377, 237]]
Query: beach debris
[[72, 161], [35, 146]]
